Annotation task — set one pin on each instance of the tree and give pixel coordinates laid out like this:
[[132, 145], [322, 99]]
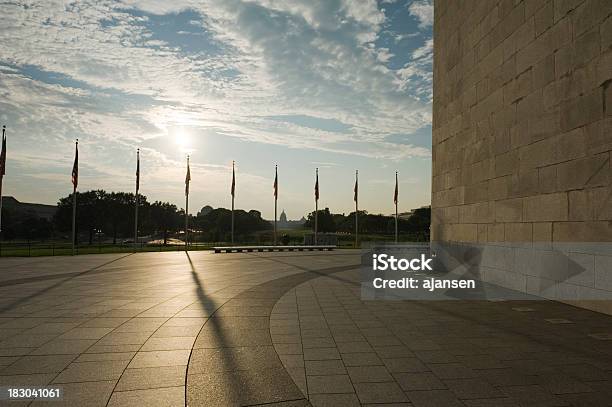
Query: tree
[[216, 224], [325, 221], [90, 216], [164, 217]]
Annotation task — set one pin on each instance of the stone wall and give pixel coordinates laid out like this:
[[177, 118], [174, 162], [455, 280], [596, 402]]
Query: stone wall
[[522, 135]]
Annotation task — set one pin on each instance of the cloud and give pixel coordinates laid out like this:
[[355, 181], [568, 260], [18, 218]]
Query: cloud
[[423, 11]]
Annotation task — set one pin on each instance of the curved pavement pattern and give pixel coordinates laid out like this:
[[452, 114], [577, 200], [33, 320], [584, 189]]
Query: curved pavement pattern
[[169, 329]]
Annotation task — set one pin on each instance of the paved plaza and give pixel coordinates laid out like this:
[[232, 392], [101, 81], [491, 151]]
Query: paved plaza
[[287, 329]]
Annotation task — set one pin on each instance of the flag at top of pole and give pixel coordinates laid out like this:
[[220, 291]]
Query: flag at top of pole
[[75, 166], [2, 169], [137, 171], [317, 186], [187, 178], [276, 181], [395, 195], [233, 180], [3, 153], [356, 189]]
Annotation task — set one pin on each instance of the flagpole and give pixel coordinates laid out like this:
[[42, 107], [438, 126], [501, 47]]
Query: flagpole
[[356, 208], [275, 200], [396, 199], [316, 206], [74, 205], [74, 195], [2, 173], [137, 203], [233, 188], [187, 203]]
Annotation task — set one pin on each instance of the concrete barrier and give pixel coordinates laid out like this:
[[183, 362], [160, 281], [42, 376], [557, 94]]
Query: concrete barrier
[[240, 249]]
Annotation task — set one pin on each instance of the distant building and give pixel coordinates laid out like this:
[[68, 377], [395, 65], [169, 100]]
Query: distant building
[[205, 210], [284, 223], [39, 210]]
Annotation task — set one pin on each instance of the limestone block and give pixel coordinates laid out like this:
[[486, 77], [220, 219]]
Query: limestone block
[[544, 18], [477, 192], [581, 110], [506, 164], [599, 136], [579, 206], [570, 145], [499, 187], [546, 207], [562, 7], [544, 72], [585, 172], [524, 34], [606, 34], [590, 14], [547, 179], [509, 210], [542, 231], [582, 231], [538, 154], [545, 125], [495, 232], [587, 47], [518, 232], [482, 233], [564, 61]]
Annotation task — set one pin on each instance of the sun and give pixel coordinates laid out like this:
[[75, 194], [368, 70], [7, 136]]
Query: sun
[[183, 141]]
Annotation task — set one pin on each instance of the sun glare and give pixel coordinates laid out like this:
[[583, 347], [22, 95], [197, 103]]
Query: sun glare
[[183, 141]]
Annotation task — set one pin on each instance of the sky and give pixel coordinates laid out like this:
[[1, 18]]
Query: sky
[[335, 84]]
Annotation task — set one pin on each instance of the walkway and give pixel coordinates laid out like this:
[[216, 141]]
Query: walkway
[[287, 328]]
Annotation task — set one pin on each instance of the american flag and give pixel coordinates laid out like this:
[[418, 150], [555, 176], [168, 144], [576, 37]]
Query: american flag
[[75, 166], [233, 180], [276, 182], [3, 153], [356, 189], [317, 186], [137, 170], [187, 178], [396, 190]]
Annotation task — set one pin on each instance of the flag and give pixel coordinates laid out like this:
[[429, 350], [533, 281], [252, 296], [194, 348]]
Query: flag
[[187, 178], [276, 182], [317, 186], [137, 170], [3, 153], [356, 189], [396, 190], [75, 166], [233, 180]]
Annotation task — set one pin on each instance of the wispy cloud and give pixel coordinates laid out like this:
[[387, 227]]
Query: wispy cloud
[[423, 11]]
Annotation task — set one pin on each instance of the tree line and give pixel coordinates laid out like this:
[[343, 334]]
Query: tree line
[[416, 226], [109, 217]]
